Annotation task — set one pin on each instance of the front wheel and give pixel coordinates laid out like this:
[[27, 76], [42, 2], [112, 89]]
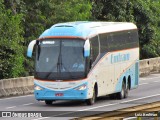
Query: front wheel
[[48, 102], [92, 100]]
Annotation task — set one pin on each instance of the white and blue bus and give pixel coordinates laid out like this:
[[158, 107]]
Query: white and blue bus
[[85, 60]]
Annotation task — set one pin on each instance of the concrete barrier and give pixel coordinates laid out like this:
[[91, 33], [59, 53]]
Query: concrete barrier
[[149, 66], [16, 86], [24, 85]]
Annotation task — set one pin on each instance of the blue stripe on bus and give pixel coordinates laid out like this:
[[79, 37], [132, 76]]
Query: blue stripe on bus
[[70, 94], [133, 71]]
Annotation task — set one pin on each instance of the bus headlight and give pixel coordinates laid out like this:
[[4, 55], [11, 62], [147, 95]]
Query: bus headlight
[[82, 87], [37, 88]]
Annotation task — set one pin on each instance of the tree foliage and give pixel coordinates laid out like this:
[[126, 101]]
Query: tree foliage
[[144, 13], [11, 51]]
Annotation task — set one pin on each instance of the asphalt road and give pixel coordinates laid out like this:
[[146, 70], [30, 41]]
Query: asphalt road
[[22, 106]]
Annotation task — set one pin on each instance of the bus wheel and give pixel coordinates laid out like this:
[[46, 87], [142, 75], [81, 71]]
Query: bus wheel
[[48, 102], [121, 94], [92, 100], [112, 96], [126, 91]]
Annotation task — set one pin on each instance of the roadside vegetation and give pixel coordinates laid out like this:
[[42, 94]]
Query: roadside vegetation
[[24, 20]]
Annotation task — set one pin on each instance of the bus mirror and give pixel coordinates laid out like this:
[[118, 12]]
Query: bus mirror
[[30, 48], [87, 48]]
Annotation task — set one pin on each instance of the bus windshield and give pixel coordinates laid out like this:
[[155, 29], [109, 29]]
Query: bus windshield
[[60, 59]]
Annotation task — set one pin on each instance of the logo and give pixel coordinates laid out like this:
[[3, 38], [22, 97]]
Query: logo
[[48, 42], [120, 58], [6, 114]]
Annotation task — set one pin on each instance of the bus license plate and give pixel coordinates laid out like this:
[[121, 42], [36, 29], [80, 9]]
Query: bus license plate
[[58, 94]]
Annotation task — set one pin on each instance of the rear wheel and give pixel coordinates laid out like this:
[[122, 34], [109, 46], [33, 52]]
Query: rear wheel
[[126, 91], [48, 102], [92, 100], [113, 96]]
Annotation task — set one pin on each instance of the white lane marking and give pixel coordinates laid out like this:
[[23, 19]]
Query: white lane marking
[[41, 118], [28, 104], [15, 97], [130, 118], [10, 107], [142, 79], [156, 81], [140, 98], [143, 83], [149, 82], [16, 106], [100, 106], [121, 102]]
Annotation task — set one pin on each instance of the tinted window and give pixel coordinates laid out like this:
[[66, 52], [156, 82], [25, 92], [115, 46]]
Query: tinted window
[[104, 42], [60, 59], [134, 38], [94, 47], [118, 40]]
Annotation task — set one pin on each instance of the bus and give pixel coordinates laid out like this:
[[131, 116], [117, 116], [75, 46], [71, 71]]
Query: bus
[[84, 60]]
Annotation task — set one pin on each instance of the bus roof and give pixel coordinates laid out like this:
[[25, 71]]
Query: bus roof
[[85, 29]]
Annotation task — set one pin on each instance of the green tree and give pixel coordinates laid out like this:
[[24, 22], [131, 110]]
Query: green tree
[[113, 10], [11, 51], [144, 13], [146, 17]]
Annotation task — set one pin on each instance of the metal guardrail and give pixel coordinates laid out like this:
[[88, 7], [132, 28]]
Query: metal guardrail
[[145, 110]]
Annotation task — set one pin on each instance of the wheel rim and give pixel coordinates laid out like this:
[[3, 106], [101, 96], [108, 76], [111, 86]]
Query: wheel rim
[[123, 90], [94, 97], [126, 91]]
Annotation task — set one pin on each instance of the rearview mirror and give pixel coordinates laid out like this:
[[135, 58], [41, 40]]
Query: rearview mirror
[[87, 48], [30, 48]]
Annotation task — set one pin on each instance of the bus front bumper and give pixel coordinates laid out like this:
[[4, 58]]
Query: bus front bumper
[[71, 94]]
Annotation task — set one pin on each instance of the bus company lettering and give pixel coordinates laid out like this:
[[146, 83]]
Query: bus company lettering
[[120, 57]]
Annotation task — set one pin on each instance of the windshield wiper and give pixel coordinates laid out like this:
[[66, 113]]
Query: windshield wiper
[[59, 64]]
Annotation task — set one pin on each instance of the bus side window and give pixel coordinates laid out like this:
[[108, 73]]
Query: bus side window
[[94, 48], [104, 43], [134, 38], [110, 42], [124, 40], [120, 40]]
